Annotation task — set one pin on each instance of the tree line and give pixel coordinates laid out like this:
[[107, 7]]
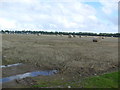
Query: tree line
[[59, 33]]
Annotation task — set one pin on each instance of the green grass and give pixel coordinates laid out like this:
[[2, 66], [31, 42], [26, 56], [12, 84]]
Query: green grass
[[103, 81], [109, 80]]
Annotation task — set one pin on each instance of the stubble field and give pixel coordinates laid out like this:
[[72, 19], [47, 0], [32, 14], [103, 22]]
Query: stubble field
[[73, 57]]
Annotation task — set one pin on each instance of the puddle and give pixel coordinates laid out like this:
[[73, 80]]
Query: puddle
[[29, 74], [11, 65]]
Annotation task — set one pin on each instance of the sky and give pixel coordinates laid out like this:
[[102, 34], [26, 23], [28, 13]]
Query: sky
[[97, 16]]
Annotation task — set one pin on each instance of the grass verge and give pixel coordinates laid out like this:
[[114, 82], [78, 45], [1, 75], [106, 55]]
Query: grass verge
[[109, 80]]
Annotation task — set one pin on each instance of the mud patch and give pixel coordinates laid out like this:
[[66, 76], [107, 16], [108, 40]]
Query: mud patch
[[19, 69], [27, 82]]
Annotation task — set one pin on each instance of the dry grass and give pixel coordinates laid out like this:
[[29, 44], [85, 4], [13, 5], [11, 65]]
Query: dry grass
[[76, 55]]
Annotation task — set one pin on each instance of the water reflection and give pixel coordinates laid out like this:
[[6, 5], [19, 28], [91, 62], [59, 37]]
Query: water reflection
[[4, 66], [29, 74]]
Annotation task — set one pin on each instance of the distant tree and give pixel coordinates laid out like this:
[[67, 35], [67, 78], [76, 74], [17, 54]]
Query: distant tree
[[61, 33]]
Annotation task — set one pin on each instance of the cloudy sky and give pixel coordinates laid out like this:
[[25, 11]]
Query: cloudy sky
[[98, 16]]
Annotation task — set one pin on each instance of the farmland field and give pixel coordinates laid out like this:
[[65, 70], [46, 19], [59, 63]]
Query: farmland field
[[74, 58]]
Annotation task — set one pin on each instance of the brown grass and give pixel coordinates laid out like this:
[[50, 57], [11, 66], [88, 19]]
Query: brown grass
[[73, 56]]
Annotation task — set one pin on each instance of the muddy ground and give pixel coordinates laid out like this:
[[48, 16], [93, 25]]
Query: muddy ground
[[15, 70], [73, 57]]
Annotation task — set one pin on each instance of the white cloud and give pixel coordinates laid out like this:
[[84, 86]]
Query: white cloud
[[5, 23], [52, 15]]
